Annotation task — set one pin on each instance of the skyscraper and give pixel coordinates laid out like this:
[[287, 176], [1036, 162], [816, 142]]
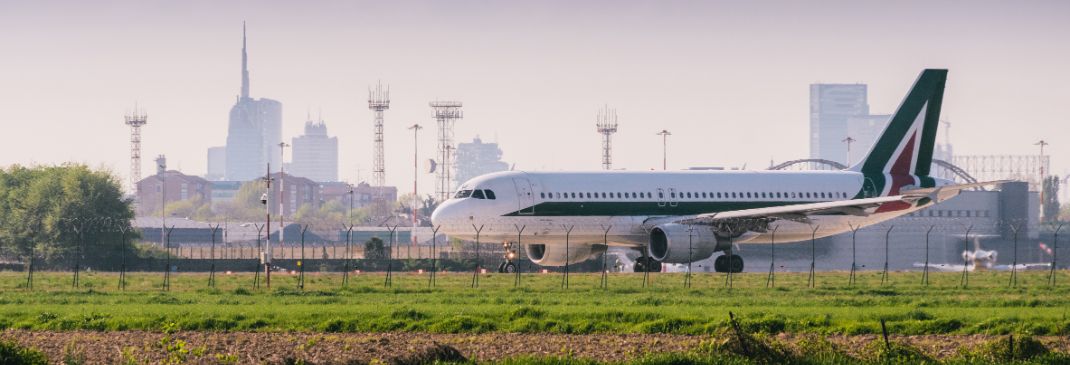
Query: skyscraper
[[478, 158], [254, 132], [217, 163], [315, 155], [831, 105]]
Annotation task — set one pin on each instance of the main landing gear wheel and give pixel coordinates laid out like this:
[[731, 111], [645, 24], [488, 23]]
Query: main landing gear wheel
[[506, 268], [644, 264], [723, 262]]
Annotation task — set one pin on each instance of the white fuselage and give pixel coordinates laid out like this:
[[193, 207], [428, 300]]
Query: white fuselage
[[619, 207]]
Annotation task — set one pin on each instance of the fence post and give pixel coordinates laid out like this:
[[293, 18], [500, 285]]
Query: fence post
[[475, 272], [884, 273], [965, 280], [1054, 254], [167, 263], [925, 270], [604, 283], [346, 268], [434, 257], [854, 253], [812, 280], [564, 278], [211, 272], [519, 248], [1014, 265], [389, 280], [301, 262], [770, 280], [259, 235]]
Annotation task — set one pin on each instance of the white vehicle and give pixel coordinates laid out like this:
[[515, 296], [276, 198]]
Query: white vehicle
[[681, 216]]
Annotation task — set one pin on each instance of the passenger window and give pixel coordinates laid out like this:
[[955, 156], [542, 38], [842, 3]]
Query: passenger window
[[478, 194], [718, 195], [542, 195], [573, 195], [490, 194], [689, 195], [661, 195], [672, 194]]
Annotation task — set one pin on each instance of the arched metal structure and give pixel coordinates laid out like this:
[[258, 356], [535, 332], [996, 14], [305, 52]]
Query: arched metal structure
[[958, 172], [833, 165]]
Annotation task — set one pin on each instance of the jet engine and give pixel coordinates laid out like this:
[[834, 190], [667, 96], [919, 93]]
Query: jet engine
[[669, 243], [555, 255]]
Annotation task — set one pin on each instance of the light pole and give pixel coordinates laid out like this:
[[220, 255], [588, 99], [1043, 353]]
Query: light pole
[[265, 255], [415, 173], [282, 196], [1040, 163], [848, 140], [664, 148]]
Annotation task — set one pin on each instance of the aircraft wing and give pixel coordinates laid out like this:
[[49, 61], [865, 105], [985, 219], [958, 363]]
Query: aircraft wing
[[855, 207]]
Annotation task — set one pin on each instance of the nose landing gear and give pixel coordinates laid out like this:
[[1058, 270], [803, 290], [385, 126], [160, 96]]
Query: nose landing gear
[[645, 264]]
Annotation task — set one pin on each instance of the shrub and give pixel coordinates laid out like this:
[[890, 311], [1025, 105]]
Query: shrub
[[13, 354]]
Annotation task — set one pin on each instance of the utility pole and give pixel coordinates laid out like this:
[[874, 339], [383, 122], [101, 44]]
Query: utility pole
[[664, 148], [848, 140], [1041, 143], [415, 174]]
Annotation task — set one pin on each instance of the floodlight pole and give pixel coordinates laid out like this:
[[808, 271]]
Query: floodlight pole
[[664, 148]]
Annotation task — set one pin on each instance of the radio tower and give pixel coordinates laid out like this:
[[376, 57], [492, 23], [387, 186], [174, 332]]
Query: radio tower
[[607, 125], [378, 101], [446, 114], [135, 120]]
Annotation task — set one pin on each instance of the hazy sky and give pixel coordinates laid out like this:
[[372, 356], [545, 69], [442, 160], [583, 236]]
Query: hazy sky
[[728, 79]]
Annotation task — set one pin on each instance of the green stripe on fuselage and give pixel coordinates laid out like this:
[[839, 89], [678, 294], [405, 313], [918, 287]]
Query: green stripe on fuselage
[[589, 208]]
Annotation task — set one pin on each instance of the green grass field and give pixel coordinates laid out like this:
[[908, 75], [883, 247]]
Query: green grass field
[[541, 305]]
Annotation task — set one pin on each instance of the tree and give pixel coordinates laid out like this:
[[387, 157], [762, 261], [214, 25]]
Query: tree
[[374, 249], [1051, 199], [58, 212]]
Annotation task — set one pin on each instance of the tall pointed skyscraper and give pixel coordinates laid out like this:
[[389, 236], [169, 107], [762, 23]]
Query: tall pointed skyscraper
[[254, 132]]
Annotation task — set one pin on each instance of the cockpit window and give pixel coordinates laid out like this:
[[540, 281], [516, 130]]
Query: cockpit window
[[461, 194], [478, 194], [490, 194]]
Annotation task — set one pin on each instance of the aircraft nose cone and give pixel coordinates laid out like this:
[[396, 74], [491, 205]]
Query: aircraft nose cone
[[441, 213]]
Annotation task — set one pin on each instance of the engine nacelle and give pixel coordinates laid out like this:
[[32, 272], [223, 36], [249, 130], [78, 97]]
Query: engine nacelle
[[669, 243], [555, 255]]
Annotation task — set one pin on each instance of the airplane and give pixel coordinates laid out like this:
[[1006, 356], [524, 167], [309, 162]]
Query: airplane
[[682, 216], [980, 259]]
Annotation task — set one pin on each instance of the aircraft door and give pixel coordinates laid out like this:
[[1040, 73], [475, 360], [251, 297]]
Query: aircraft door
[[524, 196], [661, 197], [672, 197]]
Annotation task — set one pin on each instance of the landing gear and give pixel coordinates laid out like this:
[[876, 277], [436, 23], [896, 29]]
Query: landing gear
[[726, 262], [506, 267], [644, 264]]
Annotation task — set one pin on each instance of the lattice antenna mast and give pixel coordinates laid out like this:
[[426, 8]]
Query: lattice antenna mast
[[135, 120], [379, 101], [607, 125], [446, 114]]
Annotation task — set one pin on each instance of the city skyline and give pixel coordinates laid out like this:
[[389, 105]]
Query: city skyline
[[733, 92]]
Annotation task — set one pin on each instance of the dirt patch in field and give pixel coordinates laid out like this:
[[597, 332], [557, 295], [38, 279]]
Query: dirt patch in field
[[405, 348]]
